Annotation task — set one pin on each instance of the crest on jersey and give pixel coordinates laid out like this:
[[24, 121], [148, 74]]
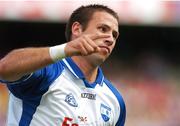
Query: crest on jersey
[[71, 100], [105, 112]]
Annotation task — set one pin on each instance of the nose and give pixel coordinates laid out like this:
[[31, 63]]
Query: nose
[[109, 41]]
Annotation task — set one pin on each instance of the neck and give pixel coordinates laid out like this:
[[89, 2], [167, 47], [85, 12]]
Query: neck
[[89, 71]]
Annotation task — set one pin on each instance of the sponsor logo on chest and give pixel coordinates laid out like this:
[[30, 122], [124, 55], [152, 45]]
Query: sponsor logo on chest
[[88, 96]]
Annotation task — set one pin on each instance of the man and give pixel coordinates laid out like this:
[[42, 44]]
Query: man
[[63, 85]]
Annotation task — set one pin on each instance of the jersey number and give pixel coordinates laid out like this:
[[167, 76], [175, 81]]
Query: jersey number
[[67, 122]]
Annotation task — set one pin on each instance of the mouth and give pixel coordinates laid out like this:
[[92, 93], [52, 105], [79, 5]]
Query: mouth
[[105, 47]]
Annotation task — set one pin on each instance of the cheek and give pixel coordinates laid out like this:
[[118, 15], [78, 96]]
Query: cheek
[[113, 45]]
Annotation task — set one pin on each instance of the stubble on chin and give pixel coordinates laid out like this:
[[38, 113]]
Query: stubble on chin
[[97, 58]]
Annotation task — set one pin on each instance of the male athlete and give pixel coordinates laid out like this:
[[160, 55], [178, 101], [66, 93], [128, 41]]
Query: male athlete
[[63, 85]]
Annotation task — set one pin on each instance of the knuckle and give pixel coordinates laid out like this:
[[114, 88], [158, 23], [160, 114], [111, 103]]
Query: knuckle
[[79, 45], [91, 49], [83, 42]]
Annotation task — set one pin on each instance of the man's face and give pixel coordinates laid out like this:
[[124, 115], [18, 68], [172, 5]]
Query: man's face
[[103, 23]]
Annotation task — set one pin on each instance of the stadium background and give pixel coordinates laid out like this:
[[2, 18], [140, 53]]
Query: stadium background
[[145, 65]]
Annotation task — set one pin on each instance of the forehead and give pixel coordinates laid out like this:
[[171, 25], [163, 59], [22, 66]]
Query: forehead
[[101, 17]]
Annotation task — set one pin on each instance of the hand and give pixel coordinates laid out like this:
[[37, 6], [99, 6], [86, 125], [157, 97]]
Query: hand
[[84, 45]]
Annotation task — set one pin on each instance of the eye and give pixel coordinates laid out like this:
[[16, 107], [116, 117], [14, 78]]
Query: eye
[[115, 35], [102, 29]]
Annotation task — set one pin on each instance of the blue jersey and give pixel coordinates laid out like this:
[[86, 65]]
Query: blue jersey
[[59, 95]]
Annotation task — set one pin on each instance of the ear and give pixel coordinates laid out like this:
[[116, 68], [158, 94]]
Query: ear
[[76, 29]]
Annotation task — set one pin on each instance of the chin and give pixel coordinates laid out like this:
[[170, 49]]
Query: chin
[[98, 59]]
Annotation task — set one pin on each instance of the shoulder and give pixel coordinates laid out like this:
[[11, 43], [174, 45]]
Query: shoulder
[[121, 102], [111, 86], [114, 90], [36, 83]]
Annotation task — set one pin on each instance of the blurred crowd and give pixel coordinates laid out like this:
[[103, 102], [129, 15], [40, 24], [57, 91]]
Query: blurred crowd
[[150, 86], [3, 104]]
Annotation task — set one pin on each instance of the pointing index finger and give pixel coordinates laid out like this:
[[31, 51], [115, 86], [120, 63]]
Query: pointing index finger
[[97, 36]]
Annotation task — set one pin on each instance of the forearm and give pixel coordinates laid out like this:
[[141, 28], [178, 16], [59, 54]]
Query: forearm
[[23, 61]]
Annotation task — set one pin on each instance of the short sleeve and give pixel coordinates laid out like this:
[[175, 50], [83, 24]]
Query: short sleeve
[[37, 83]]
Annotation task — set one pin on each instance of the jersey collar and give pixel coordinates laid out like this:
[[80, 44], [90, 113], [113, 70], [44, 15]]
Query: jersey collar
[[76, 71]]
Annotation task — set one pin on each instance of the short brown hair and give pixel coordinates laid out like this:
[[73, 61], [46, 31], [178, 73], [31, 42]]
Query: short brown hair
[[83, 14]]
